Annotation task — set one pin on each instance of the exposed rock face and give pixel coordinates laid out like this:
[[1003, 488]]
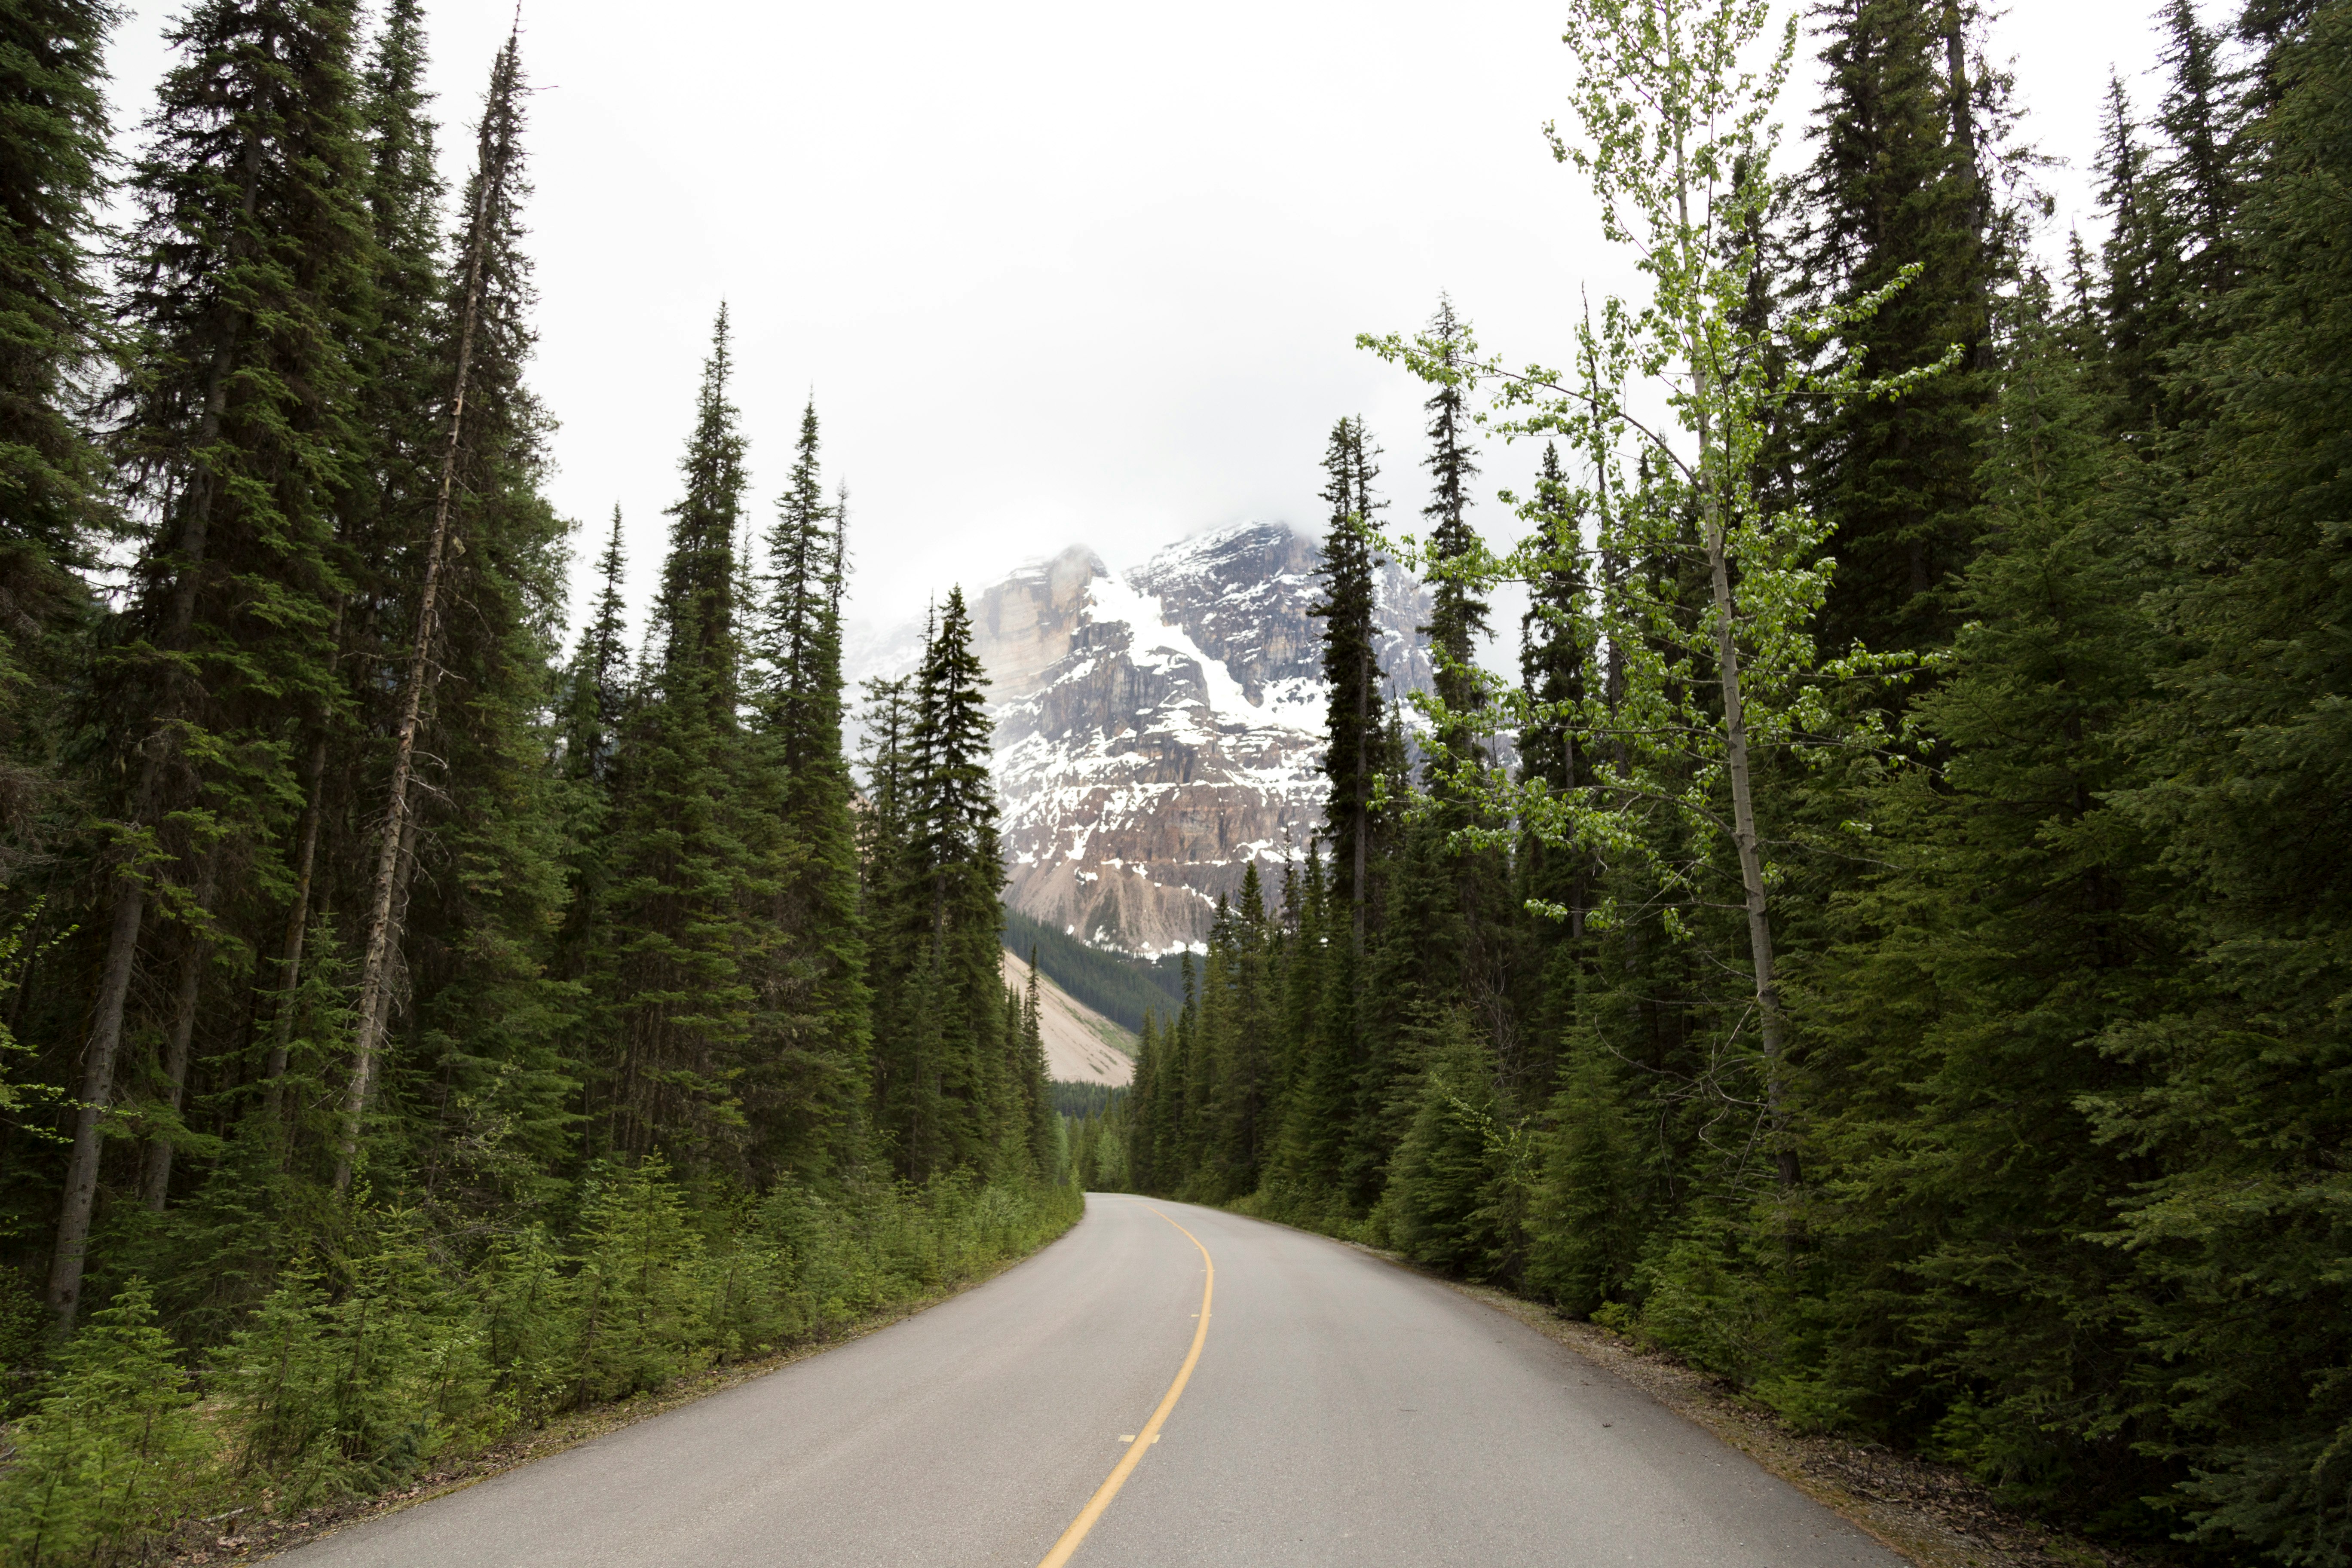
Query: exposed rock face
[[1156, 734], [1024, 625]]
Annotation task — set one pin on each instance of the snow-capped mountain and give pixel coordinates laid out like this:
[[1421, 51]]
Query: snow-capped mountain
[[1155, 732]]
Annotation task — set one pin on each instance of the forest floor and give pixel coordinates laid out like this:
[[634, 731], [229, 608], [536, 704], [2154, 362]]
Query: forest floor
[[1933, 1515], [250, 1534]]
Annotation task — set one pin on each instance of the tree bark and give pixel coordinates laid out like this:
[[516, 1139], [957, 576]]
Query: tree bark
[[377, 1021], [1711, 482], [157, 1183], [97, 1095], [1744, 838], [298, 928]]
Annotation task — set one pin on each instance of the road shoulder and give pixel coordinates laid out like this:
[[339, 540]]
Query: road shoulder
[[1931, 1515]]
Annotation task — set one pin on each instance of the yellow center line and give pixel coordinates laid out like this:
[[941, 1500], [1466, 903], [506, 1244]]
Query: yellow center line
[[1151, 1433]]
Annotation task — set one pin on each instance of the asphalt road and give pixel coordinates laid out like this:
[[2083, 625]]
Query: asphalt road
[[1341, 1411]]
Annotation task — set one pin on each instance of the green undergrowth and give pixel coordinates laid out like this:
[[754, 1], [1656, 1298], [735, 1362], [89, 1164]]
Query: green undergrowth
[[358, 1370]]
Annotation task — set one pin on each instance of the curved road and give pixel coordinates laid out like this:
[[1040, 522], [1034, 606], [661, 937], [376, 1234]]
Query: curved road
[[1341, 1412]]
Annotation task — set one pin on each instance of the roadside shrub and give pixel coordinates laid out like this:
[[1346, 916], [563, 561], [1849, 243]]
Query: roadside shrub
[[354, 1372], [641, 1296], [113, 1455]]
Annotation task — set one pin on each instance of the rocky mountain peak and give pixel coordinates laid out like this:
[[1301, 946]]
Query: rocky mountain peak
[[1242, 594], [1024, 625], [1158, 729]]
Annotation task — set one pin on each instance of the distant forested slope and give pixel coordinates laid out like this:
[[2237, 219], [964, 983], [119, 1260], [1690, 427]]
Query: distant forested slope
[[1112, 983]]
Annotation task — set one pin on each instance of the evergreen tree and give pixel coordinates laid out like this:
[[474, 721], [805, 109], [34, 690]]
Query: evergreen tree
[[1320, 982], [1957, 1037], [2244, 1307], [488, 1071], [50, 327], [1402, 985], [1036, 1097], [111, 1457], [959, 873], [487, 339], [1143, 1109], [597, 686], [247, 254], [1587, 1203], [810, 1086], [596, 692], [2199, 120], [1558, 648], [399, 349], [801, 548], [2128, 304], [945, 1077], [1457, 612], [1350, 658], [1555, 640], [1239, 1020], [1445, 1174], [1898, 180], [905, 1091], [677, 993]]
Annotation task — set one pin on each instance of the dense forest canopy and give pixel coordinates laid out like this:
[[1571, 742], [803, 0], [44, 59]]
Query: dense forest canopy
[[1886, 940], [415, 1024], [1902, 962]]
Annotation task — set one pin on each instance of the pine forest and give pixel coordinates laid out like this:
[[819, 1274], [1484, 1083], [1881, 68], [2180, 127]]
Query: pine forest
[[1878, 931], [417, 1027]]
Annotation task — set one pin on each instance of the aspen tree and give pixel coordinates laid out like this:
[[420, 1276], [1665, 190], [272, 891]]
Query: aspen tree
[[1674, 135]]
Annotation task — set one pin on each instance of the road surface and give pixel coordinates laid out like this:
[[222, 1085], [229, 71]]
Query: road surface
[[1337, 1411]]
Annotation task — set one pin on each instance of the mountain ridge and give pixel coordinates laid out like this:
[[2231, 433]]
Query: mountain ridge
[[1158, 731]]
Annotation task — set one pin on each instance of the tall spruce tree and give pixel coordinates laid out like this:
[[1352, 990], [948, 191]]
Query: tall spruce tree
[[1445, 898], [1238, 1020], [674, 970], [958, 876], [946, 1074], [487, 338], [904, 1091], [2245, 1309], [809, 1084], [2133, 336], [597, 686], [1899, 180], [485, 1024], [50, 330], [1458, 613], [246, 259], [1956, 1036], [1558, 649], [1350, 658], [2200, 118], [1036, 1097]]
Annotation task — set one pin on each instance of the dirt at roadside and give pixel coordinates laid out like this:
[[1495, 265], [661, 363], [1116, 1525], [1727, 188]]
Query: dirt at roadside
[[1933, 1515]]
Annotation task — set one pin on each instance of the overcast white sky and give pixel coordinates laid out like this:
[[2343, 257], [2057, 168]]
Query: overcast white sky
[[1056, 271]]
